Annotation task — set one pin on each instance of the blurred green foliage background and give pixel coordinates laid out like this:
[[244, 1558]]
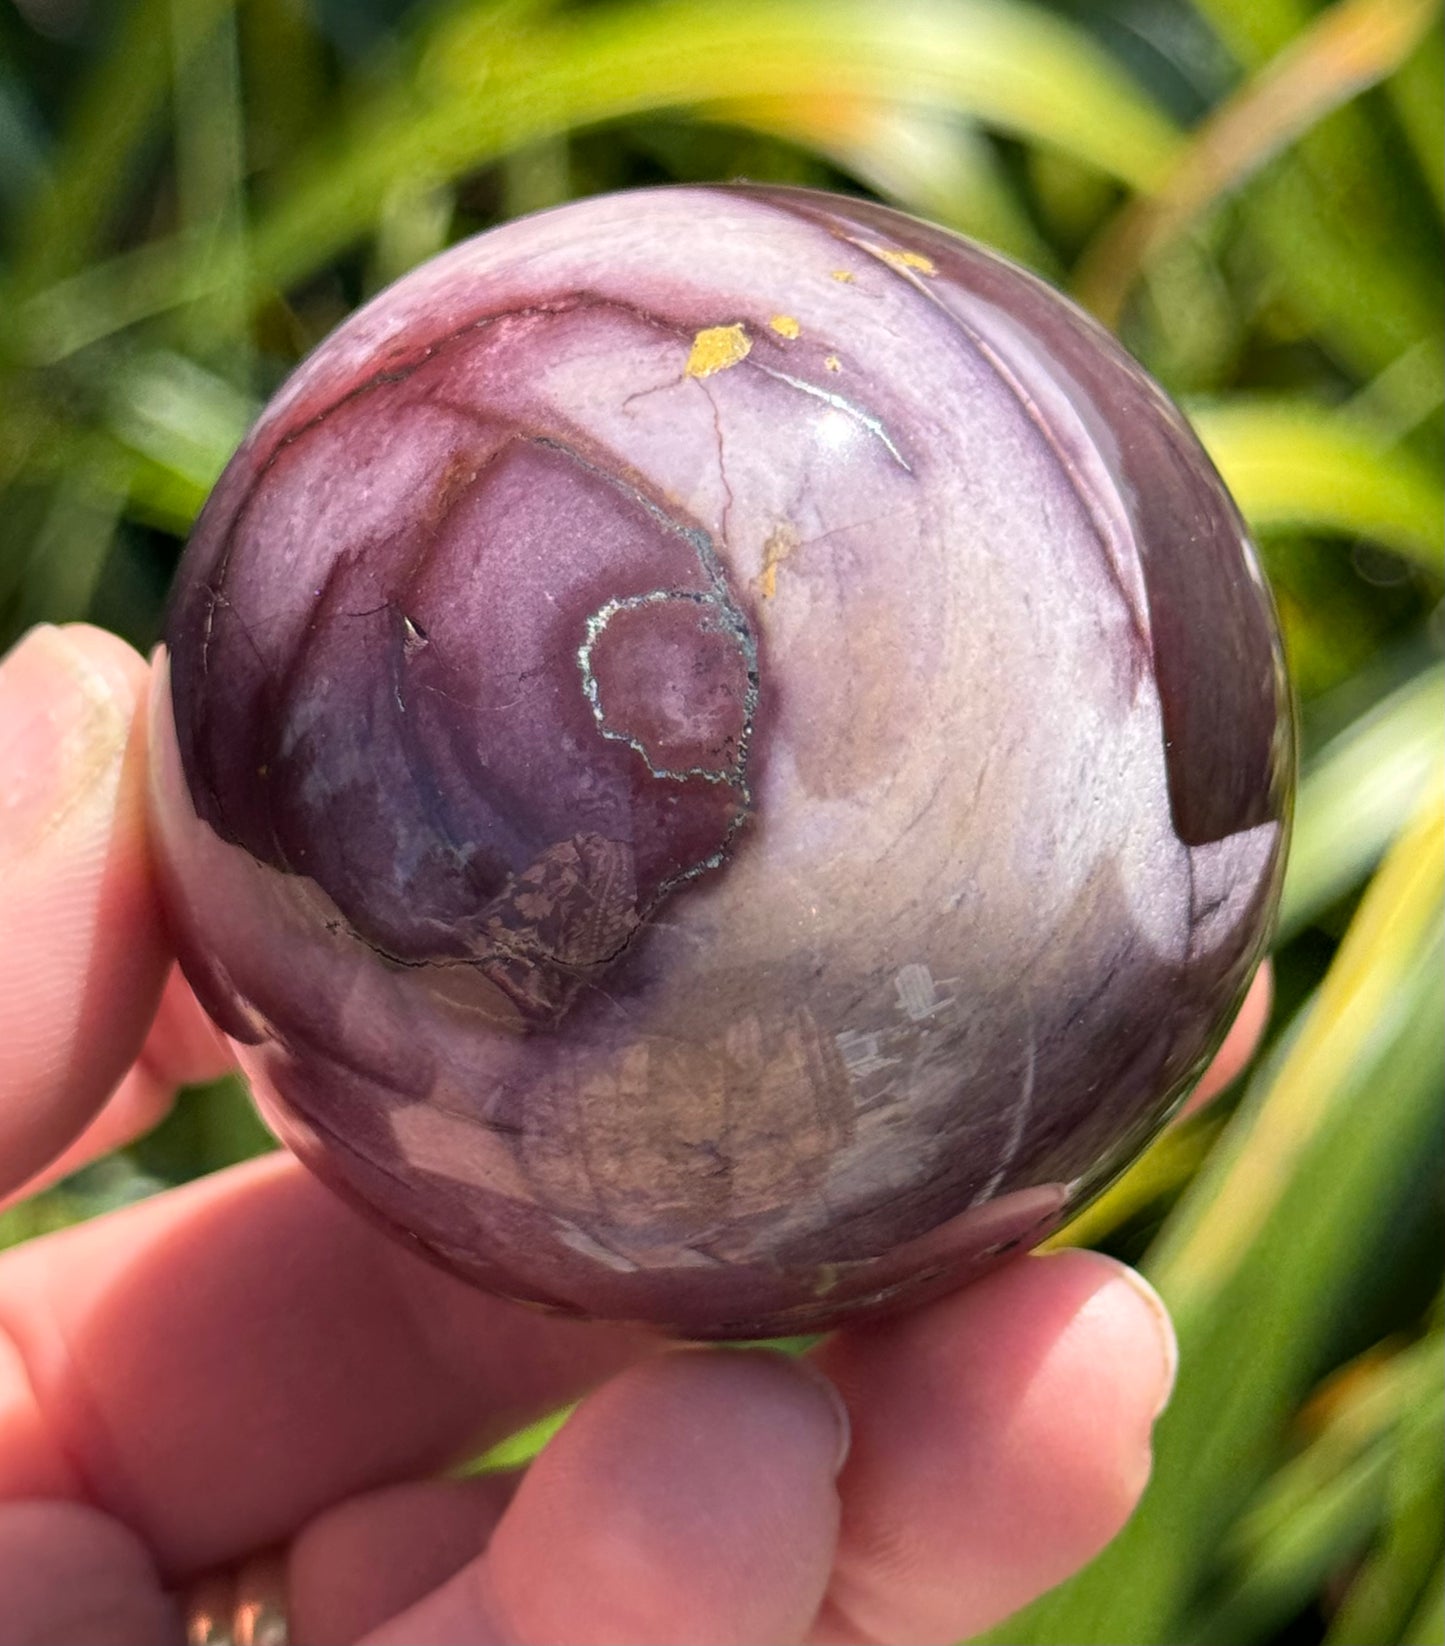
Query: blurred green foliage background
[[193, 192]]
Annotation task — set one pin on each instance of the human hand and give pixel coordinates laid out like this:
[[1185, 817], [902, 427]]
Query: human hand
[[241, 1375]]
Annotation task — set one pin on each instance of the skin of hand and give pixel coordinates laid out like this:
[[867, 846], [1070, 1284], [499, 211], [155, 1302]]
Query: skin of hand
[[242, 1365]]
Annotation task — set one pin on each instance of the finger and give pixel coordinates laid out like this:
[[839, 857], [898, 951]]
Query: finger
[[136, 1106], [82, 957], [1240, 1044], [217, 1365], [69, 1573], [184, 1048], [373, 1556], [1000, 1439], [181, 1049], [691, 1499]]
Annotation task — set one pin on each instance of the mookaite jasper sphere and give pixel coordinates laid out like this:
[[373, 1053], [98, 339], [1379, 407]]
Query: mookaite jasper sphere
[[725, 759]]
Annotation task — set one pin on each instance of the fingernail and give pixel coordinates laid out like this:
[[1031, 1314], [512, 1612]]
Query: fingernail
[[1164, 1326], [840, 1409], [62, 732]]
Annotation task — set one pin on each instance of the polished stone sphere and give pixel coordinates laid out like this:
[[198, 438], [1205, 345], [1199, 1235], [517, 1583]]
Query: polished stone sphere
[[724, 759]]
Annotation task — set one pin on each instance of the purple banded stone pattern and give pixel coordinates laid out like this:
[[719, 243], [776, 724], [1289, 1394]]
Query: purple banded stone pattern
[[725, 759]]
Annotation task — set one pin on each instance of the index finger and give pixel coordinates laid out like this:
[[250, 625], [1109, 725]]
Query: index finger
[[82, 952]]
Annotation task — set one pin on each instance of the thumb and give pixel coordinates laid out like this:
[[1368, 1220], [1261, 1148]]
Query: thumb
[[82, 956]]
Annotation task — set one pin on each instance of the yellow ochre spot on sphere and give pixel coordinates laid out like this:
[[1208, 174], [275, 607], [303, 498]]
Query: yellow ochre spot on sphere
[[715, 348], [908, 260], [845, 275], [831, 362], [784, 325], [782, 540]]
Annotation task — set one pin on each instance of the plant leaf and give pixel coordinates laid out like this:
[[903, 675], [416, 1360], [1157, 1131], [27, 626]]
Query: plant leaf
[[1357, 794], [1352, 45], [1293, 464], [92, 168], [1394, 1578], [210, 160], [1415, 93], [1337, 219], [1318, 1510], [479, 94], [924, 161], [1427, 1627]]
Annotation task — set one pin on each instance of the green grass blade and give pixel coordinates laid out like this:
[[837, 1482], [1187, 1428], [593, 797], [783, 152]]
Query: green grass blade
[[1002, 62], [1350, 46], [1354, 798], [94, 167], [105, 1185], [1255, 29], [926, 162], [68, 555], [1325, 1529], [1294, 465], [103, 466], [1355, 277], [1427, 1627], [1340, 226], [166, 428], [1420, 109], [1357, 793], [1272, 1242], [519, 1448], [22, 139], [414, 223], [477, 96], [105, 298], [1321, 1508], [1395, 1578], [1407, 392], [1385, 977], [210, 155], [284, 71], [176, 414]]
